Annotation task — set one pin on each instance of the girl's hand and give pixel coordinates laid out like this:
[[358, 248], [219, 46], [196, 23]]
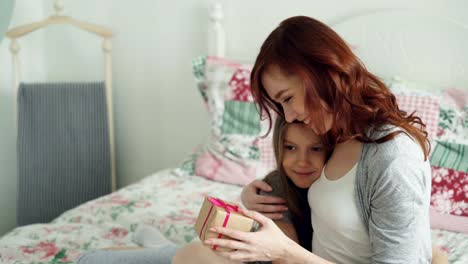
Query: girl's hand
[[267, 244], [271, 206]]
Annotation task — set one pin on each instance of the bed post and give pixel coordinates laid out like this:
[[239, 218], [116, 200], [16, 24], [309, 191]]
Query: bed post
[[14, 49], [107, 48], [216, 36]]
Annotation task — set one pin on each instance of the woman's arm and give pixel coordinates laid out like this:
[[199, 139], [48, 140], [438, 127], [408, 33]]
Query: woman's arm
[[269, 243], [289, 230], [399, 221]]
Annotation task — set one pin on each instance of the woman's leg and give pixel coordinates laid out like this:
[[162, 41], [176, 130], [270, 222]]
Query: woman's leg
[[197, 253]]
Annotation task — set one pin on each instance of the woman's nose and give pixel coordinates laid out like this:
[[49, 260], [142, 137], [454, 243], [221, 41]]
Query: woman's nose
[[290, 115]]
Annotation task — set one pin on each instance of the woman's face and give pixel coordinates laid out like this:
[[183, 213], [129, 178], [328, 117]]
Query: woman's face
[[303, 155], [288, 91]]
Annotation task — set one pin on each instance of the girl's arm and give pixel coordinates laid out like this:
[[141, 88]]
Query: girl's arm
[[271, 206]]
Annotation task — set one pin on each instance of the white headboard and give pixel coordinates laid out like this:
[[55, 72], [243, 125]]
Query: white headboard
[[411, 44], [407, 43]]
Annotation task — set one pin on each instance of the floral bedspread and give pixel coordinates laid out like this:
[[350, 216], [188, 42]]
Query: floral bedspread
[[164, 200]]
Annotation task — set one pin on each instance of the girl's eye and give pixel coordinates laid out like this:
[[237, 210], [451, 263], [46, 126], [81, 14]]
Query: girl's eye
[[317, 149], [289, 147]]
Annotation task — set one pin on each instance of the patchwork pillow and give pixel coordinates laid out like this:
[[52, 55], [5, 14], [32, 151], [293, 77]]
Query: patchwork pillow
[[449, 199], [448, 131], [449, 191], [236, 151], [419, 98], [449, 163], [453, 118], [425, 107]]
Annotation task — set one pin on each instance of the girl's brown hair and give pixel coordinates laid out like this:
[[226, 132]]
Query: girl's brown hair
[[333, 75]]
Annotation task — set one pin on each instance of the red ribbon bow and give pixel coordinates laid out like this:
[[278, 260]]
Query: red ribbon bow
[[227, 207]]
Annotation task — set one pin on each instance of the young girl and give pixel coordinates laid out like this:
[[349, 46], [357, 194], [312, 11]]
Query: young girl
[[302, 156], [371, 204]]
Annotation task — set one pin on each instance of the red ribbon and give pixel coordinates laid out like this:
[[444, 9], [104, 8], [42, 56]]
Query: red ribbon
[[227, 207]]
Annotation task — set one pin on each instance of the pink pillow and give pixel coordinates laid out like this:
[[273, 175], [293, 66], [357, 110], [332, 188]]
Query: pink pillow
[[448, 222], [219, 168], [236, 151], [426, 107]]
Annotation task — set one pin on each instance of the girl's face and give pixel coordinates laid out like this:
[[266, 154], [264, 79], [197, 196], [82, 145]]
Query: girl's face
[[288, 91], [303, 155]]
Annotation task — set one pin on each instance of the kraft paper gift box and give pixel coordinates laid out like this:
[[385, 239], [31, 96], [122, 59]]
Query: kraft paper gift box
[[216, 212]]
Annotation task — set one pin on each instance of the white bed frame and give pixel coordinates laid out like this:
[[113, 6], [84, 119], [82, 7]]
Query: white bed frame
[[408, 43]]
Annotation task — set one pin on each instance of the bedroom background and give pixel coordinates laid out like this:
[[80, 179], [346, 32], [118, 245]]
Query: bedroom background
[[153, 47]]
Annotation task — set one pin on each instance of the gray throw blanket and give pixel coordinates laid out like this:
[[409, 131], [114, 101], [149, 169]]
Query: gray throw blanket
[[63, 148]]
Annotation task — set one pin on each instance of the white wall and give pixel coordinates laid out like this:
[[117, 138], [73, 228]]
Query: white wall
[[159, 114], [31, 47]]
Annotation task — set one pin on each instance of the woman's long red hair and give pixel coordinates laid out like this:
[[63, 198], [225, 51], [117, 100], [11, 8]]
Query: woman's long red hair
[[333, 75]]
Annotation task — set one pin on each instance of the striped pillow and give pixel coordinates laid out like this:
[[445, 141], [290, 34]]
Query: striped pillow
[[450, 155]]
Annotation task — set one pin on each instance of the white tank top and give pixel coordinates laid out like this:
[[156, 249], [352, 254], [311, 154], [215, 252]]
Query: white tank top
[[339, 234]]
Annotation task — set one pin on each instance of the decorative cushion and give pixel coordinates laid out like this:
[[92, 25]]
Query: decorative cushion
[[448, 221], [450, 155], [420, 98], [449, 199], [453, 118], [449, 191], [236, 151], [449, 163], [445, 113], [426, 107]]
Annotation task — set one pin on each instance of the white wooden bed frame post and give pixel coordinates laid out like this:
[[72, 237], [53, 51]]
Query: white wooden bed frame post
[[216, 35], [107, 48], [103, 32]]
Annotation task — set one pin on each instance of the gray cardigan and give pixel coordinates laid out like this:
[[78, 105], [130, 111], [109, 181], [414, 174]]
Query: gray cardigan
[[393, 187]]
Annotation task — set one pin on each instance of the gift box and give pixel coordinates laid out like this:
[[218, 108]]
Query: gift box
[[216, 212]]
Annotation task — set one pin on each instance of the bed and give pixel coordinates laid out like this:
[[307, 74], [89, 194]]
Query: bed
[[170, 199]]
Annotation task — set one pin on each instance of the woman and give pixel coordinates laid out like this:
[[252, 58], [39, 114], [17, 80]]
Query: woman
[[306, 72]]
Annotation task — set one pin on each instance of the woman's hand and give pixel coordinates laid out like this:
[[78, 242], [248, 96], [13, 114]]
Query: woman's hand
[[270, 206], [267, 244]]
